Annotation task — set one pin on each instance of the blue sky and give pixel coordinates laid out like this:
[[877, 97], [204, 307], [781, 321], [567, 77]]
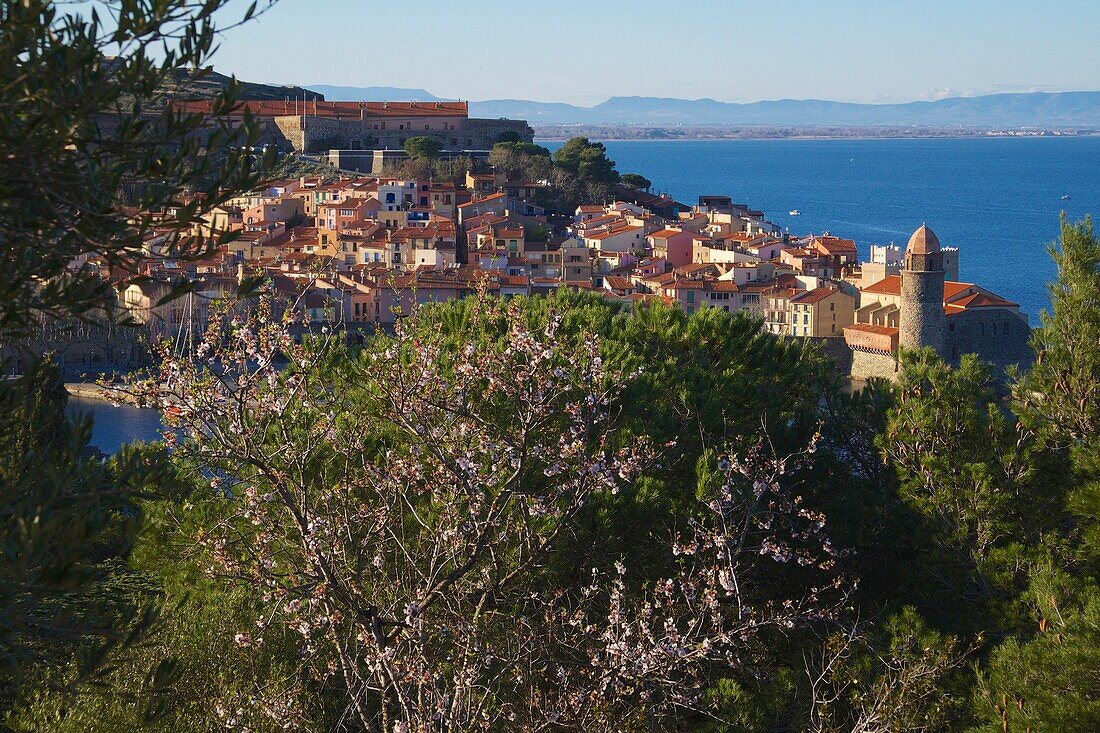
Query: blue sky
[[732, 50]]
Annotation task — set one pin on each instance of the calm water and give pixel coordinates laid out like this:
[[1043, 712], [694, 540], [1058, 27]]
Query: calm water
[[996, 199], [112, 427]]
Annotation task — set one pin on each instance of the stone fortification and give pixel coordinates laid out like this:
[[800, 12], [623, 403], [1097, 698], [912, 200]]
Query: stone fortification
[[866, 365], [319, 134], [318, 126]]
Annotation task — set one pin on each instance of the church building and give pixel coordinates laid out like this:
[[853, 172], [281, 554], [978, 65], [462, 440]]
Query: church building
[[920, 307]]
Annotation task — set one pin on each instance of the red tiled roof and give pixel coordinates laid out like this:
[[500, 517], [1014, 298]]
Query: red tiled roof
[[835, 245], [612, 233], [891, 285], [492, 197], [872, 328], [982, 300], [813, 296], [666, 233]]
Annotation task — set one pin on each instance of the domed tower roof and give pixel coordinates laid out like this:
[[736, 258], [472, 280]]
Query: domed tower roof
[[923, 242]]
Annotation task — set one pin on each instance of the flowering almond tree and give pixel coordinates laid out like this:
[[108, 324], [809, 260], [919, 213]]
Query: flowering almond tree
[[403, 511]]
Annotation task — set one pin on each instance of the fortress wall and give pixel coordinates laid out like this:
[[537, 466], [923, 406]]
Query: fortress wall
[[489, 131], [316, 133], [866, 365], [837, 351], [996, 336]]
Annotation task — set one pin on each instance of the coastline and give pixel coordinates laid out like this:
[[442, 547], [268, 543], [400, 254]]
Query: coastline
[[93, 391], [776, 138]]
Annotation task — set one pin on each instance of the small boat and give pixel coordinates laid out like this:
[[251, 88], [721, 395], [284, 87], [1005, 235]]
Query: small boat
[[794, 212], [1066, 197]]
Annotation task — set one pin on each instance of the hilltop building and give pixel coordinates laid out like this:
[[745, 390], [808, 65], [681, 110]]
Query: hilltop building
[[318, 125], [920, 307]]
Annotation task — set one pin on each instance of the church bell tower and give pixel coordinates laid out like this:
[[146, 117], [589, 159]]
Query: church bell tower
[[922, 279]]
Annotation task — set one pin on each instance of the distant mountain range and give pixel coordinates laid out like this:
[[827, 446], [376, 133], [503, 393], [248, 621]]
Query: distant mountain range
[[1033, 109], [1037, 109]]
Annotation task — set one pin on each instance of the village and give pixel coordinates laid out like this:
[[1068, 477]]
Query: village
[[359, 251]]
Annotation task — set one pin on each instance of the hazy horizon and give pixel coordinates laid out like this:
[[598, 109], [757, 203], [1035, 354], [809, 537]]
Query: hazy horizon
[[582, 53], [313, 87]]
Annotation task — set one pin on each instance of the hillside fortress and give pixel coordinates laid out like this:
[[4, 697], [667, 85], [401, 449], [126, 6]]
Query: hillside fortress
[[922, 308], [317, 126]]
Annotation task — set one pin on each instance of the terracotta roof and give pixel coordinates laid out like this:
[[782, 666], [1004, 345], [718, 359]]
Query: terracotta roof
[[814, 296], [891, 285], [598, 221], [835, 245], [872, 328], [618, 282], [983, 300], [612, 233], [694, 268], [492, 197], [666, 233]]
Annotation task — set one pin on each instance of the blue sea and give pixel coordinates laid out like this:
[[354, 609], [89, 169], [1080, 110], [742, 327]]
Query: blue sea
[[996, 199], [113, 427]]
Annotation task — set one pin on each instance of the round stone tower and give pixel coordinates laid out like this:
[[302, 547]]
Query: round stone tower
[[922, 278]]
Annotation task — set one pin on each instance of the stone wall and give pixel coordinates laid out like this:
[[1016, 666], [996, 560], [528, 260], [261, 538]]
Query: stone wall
[[997, 336], [866, 365], [837, 351], [316, 134], [489, 131]]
